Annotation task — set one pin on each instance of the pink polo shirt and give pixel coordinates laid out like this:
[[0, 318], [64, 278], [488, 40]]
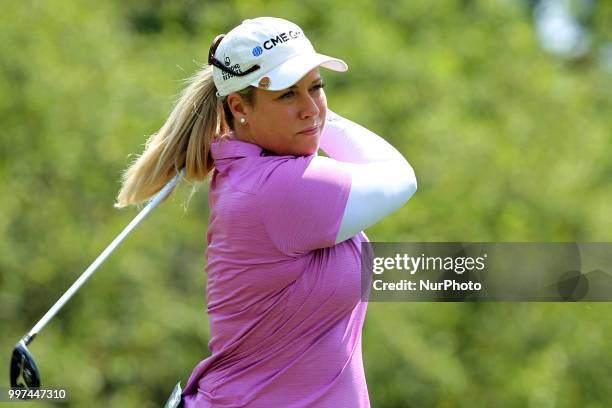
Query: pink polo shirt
[[283, 300]]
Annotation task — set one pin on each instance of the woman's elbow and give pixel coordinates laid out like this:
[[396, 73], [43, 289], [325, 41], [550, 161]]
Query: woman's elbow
[[409, 185]]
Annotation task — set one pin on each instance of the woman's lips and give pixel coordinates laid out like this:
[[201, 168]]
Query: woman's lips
[[310, 131]]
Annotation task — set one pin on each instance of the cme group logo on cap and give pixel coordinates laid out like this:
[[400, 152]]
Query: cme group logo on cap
[[257, 51]]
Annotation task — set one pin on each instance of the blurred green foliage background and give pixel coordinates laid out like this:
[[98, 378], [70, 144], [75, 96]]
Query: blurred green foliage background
[[508, 142]]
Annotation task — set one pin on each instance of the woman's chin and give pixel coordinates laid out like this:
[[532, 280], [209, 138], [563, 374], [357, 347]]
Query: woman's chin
[[311, 149], [303, 148]]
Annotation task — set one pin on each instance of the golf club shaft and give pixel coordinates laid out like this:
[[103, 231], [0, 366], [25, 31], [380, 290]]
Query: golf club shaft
[[101, 258]]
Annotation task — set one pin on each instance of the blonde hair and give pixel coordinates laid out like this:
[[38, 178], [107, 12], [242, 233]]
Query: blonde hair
[[198, 117]]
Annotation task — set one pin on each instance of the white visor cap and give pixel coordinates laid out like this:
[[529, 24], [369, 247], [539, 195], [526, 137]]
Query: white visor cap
[[280, 49]]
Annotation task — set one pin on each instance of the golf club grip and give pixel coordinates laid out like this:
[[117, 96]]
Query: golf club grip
[[102, 257]]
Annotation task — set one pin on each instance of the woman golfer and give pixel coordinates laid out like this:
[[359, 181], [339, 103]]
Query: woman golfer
[[285, 229]]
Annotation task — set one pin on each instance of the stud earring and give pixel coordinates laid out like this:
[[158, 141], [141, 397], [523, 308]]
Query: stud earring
[[242, 121]]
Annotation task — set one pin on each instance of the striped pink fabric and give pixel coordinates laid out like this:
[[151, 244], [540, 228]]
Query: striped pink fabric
[[283, 300]]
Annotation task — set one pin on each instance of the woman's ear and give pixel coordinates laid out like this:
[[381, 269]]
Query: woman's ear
[[237, 105]]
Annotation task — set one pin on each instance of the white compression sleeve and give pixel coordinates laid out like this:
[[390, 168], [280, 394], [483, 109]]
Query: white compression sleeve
[[382, 179]]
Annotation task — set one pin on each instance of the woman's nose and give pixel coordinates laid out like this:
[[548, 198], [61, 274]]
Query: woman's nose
[[309, 107]]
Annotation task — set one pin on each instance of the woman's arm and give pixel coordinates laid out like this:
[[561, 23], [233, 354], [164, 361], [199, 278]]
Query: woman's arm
[[382, 179]]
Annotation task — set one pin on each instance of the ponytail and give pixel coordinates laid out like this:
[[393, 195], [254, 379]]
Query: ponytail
[[183, 141]]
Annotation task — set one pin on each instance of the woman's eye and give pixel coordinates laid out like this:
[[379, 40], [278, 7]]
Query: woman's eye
[[292, 93]]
